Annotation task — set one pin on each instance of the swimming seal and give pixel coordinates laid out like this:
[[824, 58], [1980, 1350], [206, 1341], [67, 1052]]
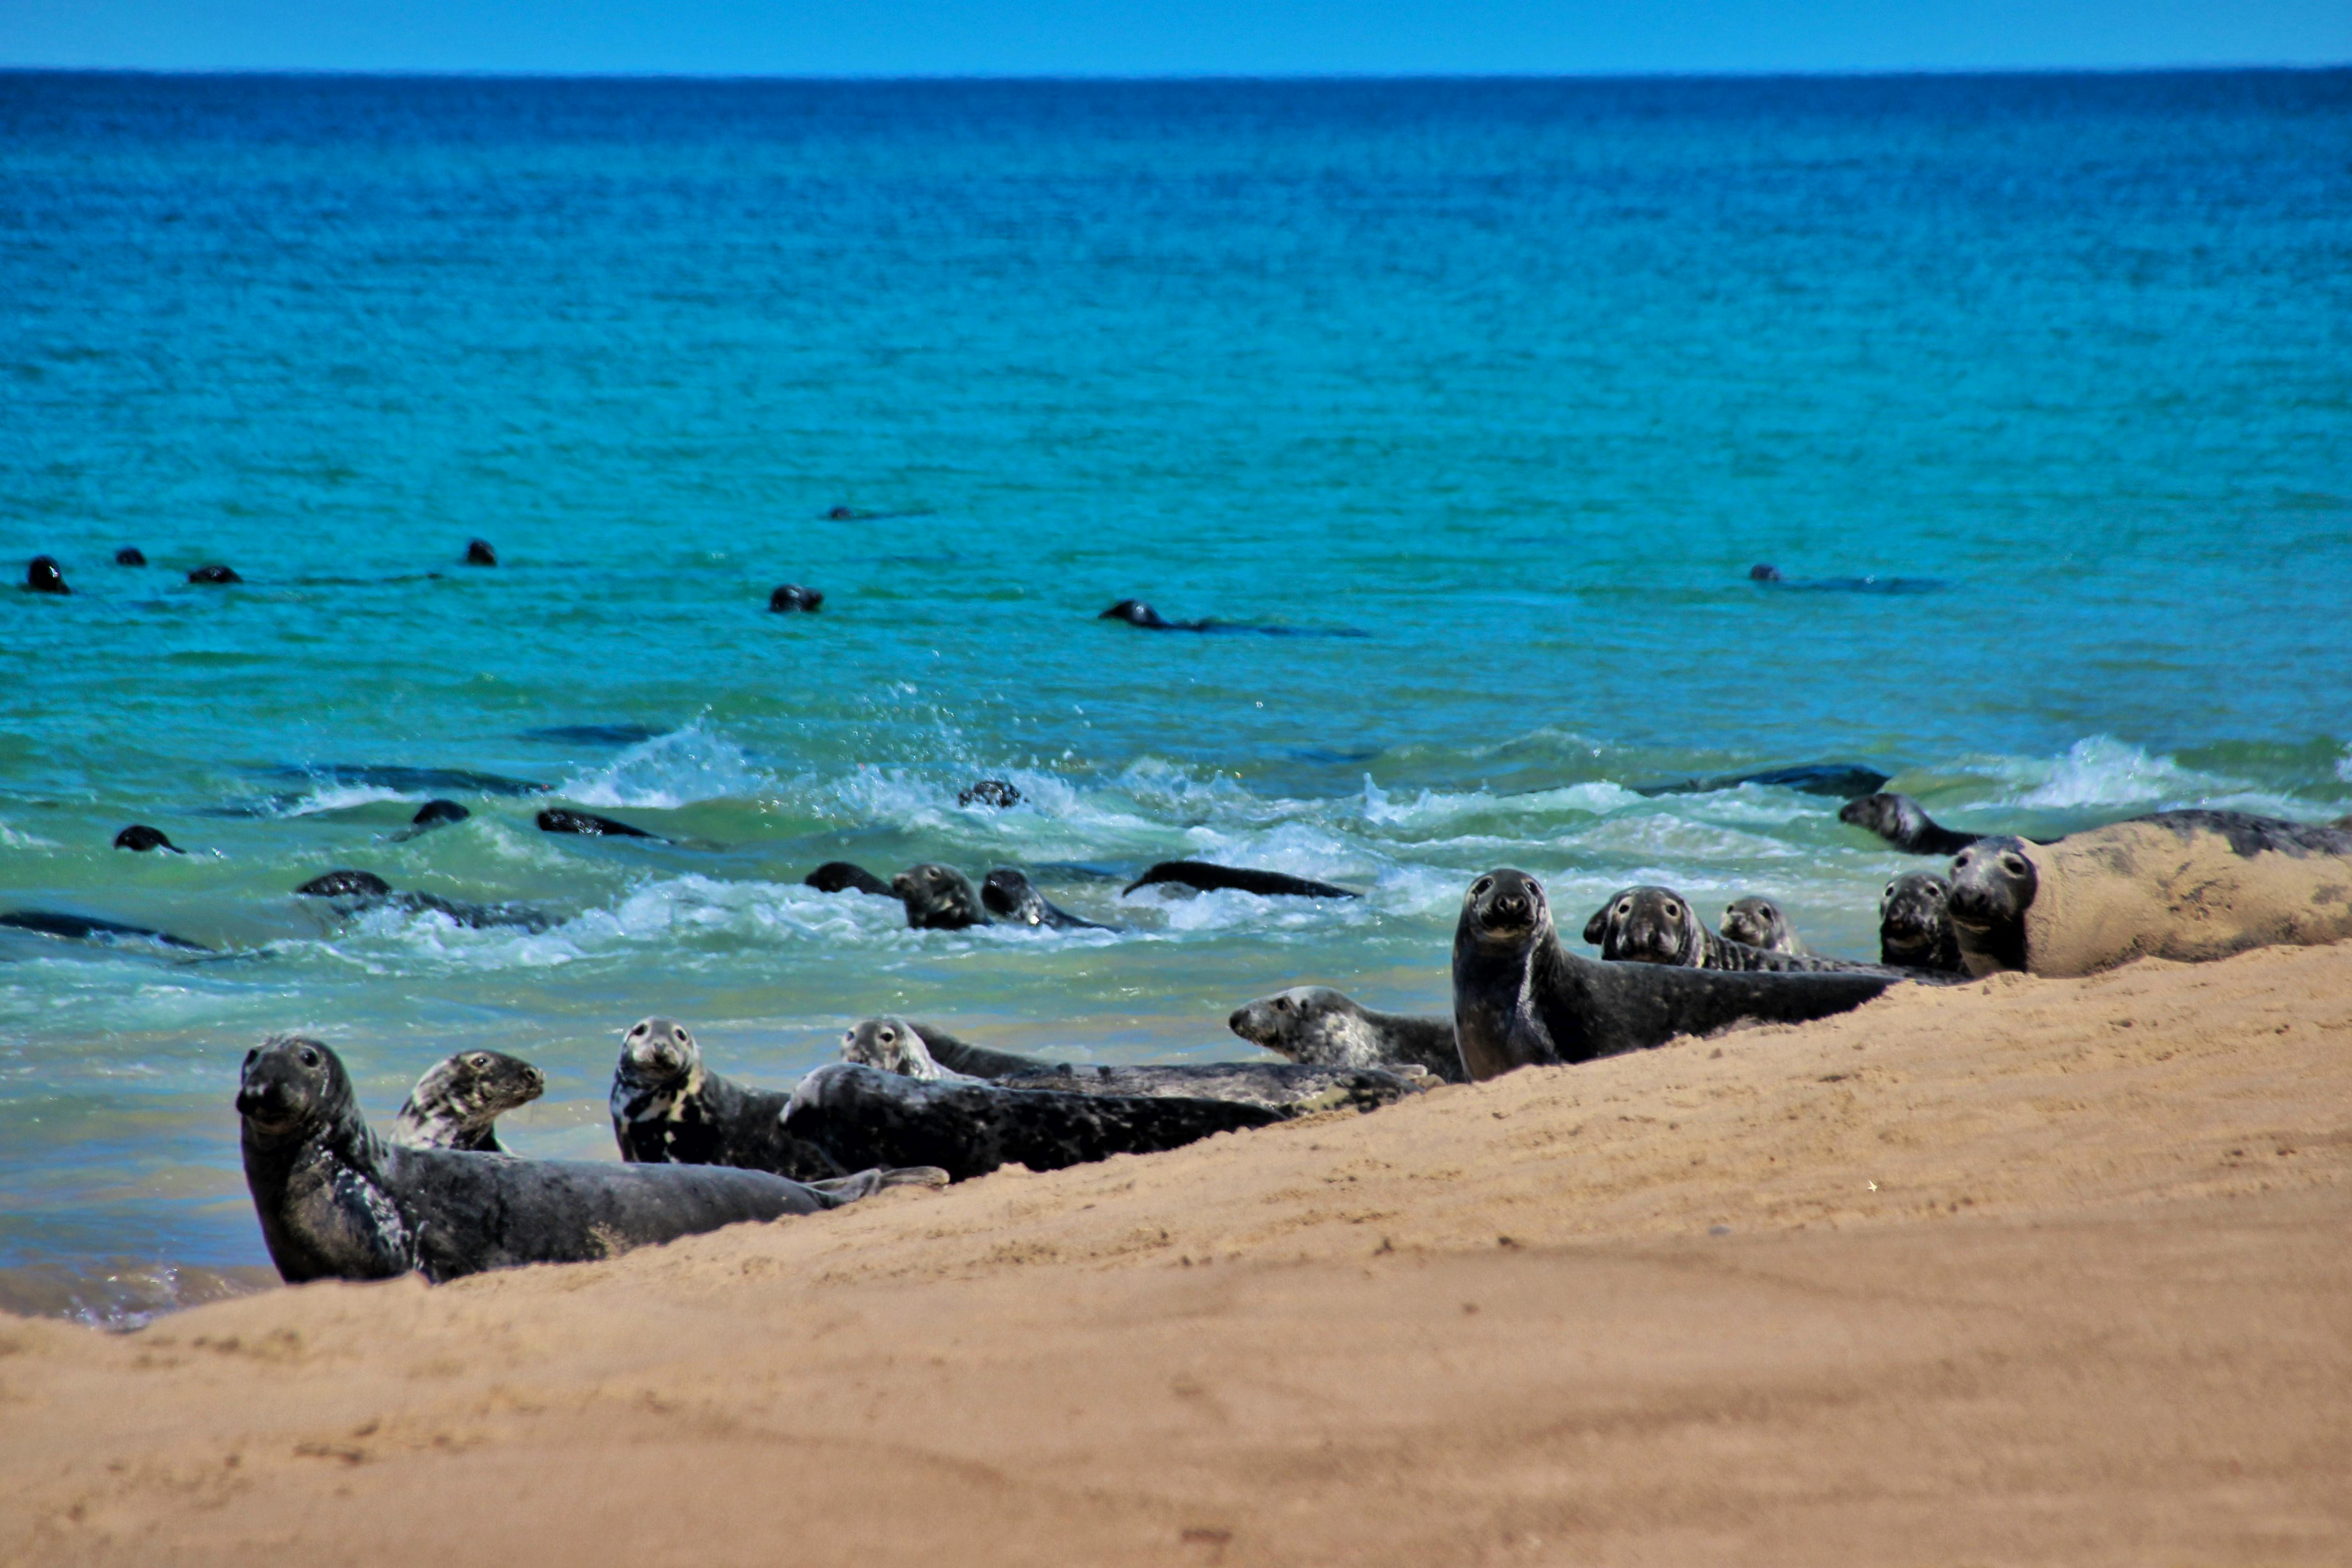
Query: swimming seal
[[1915, 924], [2183, 885], [1658, 925], [214, 575], [458, 1100], [1839, 779], [130, 555], [792, 599], [938, 898], [336, 1201], [1520, 998], [841, 875], [1211, 878], [1757, 923], [141, 838], [1008, 893], [998, 793], [433, 814], [42, 576], [1136, 613], [1318, 1025], [1763, 572], [1904, 823], [357, 890], [588, 825], [479, 554], [90, 928], [346, 884]]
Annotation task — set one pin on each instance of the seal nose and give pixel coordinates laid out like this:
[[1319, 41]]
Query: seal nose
[[1239, 1021]]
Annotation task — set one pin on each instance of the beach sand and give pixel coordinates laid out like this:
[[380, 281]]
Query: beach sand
[[2021, 1270]]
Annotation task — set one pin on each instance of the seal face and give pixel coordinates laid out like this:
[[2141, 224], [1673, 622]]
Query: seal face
[[1007, 893], [998, 793], [141, 838], [456, 1104], [130, 555], [588, 825], [479, 554], [792, 599], [938, 898], [668, 1109], [1904, 823], [1758, 924], [42, 576], [1915, 924], [1646, 924], [214, 574], [893, 1045], [1208, 878], [841, 875], [1320, 1026]]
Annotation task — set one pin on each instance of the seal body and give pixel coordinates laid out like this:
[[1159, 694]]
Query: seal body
[[938, 898], [1321, 1028], [792, 599], [1758, 924], [1658, 925], [1904, 823], [42, 576], [1839, 779], [1009, 895], [1915, 924], [130, 555], [588, 825], [457, 1102], [215, 574], [2184, 885], [91, 928], [668, 1109], [998, 793], [141, 838], [1211, 878], [1521, 999], [479, 554], [353, 890], [841, 875], [337, 1202], [1136, 613]]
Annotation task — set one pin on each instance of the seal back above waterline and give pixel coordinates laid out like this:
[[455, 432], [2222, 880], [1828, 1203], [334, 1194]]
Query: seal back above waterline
[[140, 837], [1208, 878]]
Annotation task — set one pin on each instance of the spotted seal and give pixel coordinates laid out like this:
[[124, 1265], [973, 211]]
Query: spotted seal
[[139, 838], [42, 575], [336, 1201], [1209, 878], [457, 1102], [1520, 998], [1758, 924], [2183, 885], [1318, 1025], [588, 825], [1904, 823], [1008, 894], [938, 898], [1658, 925], [352, 891], [216, 576], [1915, 924], [841, 877]]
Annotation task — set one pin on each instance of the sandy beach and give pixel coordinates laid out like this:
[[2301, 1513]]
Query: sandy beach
[[2022, 1270]]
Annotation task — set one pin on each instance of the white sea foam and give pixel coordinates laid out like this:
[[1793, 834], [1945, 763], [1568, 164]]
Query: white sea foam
[[2100, 770], [669, 770], [1435, 808], [342, 797]]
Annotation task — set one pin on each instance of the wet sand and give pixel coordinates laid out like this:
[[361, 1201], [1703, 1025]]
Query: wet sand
[[2024, 1270]]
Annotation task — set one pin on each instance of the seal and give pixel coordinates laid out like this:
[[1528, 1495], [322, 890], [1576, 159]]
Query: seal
[[130, 555], [841, 875], [588, 825], [336, 1201], [479, 554], [938, 898], [1758, 924], [353, 891], [1839, 779], [42, 576], [1904, 823], [456, 1104], [1136, 613], [141, 838], [667, 1108], [1763, 572], [794, 599], [1657, 925], [998, 793], [1009, 894], [1521, 999], [1915, 924], [215, 573], [1318, 1025], [433, 814], [90, 928], [963, 1059], [410, 781], [1211, 878], [2183, 885]]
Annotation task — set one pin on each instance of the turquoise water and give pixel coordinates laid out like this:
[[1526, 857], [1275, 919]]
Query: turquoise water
[[1488, 392]]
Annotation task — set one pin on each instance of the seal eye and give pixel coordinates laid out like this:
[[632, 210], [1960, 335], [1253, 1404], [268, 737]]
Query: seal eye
[[889, 1037], [309, 1058], [638, 1033], [1963, 859], [1890, 891], [2014, 865], [1482, 887], [1673, 911], [478, 1063], [1282, 1004], [1624, 908]]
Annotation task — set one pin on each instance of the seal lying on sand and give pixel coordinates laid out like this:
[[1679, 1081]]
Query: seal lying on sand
[[337, 1202], [588, 825], [1211, 878], [667, 1106], [1758, 924], [1658, 925], [141, 838], [355, 890], [841, 875], [1904, 823], [938, 898], [1317, 1025], [893, 1045], [1915, 924], [458, 1100], [2184, 885], [1519, 998], [90, 928], [1008, 893]]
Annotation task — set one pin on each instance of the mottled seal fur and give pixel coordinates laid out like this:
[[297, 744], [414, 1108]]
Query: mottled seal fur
[[1915, 924], [479, 554], [1211, 878], [791, 598], [2184, 885], [140, 837], [42, 576], [1008, 893], [215, 574], [588, 825], [669, 1108], [938, 898], [91, 928], [1904, 823], [841, 875], [1758, 924], [1318, 1025], [457, 1102], [337, 1202], [353, 890], [130, 555], [1520, 998], [1658, 925], [998, 793]]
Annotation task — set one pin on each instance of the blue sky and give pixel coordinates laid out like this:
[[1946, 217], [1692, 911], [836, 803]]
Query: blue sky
[[864, 37]]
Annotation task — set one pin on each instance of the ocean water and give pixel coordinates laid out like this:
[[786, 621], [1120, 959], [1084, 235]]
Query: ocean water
[[1465, 407]]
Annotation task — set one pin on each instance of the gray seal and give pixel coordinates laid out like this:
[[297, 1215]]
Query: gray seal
[[588, 825], [997, 792], [1209, 878], [479, 554], [215, 575], [938, 898], [130, 555], [336, 1201], [1521, 999], [1904, 823], [844, 877], [1318, 1025], [1758, 924], [433, 814], [670, 1109], [1915, 924], [1658, 925], [91, 928], [139, 838], [1009, 894], [457, 1102], [42, 576], [352, 891], [791, 598]]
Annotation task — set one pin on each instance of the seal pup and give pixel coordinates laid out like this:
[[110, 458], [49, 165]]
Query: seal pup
[[588, 825], [141, 838], [1520, 998], [1658, 925], [130, 555], [457, 1101], [791, 598], [1009, 894], [1318, 1025], [352, 891], [841, 875], [1211, 878], [42, 576], [1904, 823], [938, 898], [479, 554], [1758, 924], [336, 1201], [998, 793], [433, 814], [1915, 924], [2183, 885], [91, 928], [215, 573]]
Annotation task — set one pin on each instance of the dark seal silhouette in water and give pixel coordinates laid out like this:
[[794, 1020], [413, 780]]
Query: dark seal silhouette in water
[[354, 891], [588, 825], [457, 1102], [91, 928], [1520, 999], [1758, 924], [845, 877], [215, 574], [1136, 613], [998, 793], [1839, 779], [791, 598], [1915, 924], [1763, 572], [42, 576], [336, 1201], [1904, 823], [1651, 924], [938, 898], [1322, 1027], [1008, 894], [433, 814], [346, 884], [1211, 878], [130, 555], [479, 554], [141, 838]]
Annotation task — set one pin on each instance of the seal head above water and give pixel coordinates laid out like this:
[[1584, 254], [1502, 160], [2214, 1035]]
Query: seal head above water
[[792, 599], [938, 898], [479, 554], [42, 576], [141, 838], [215, 574]]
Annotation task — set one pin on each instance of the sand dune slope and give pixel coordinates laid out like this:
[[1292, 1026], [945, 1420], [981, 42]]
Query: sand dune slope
[[2027, 1270]]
